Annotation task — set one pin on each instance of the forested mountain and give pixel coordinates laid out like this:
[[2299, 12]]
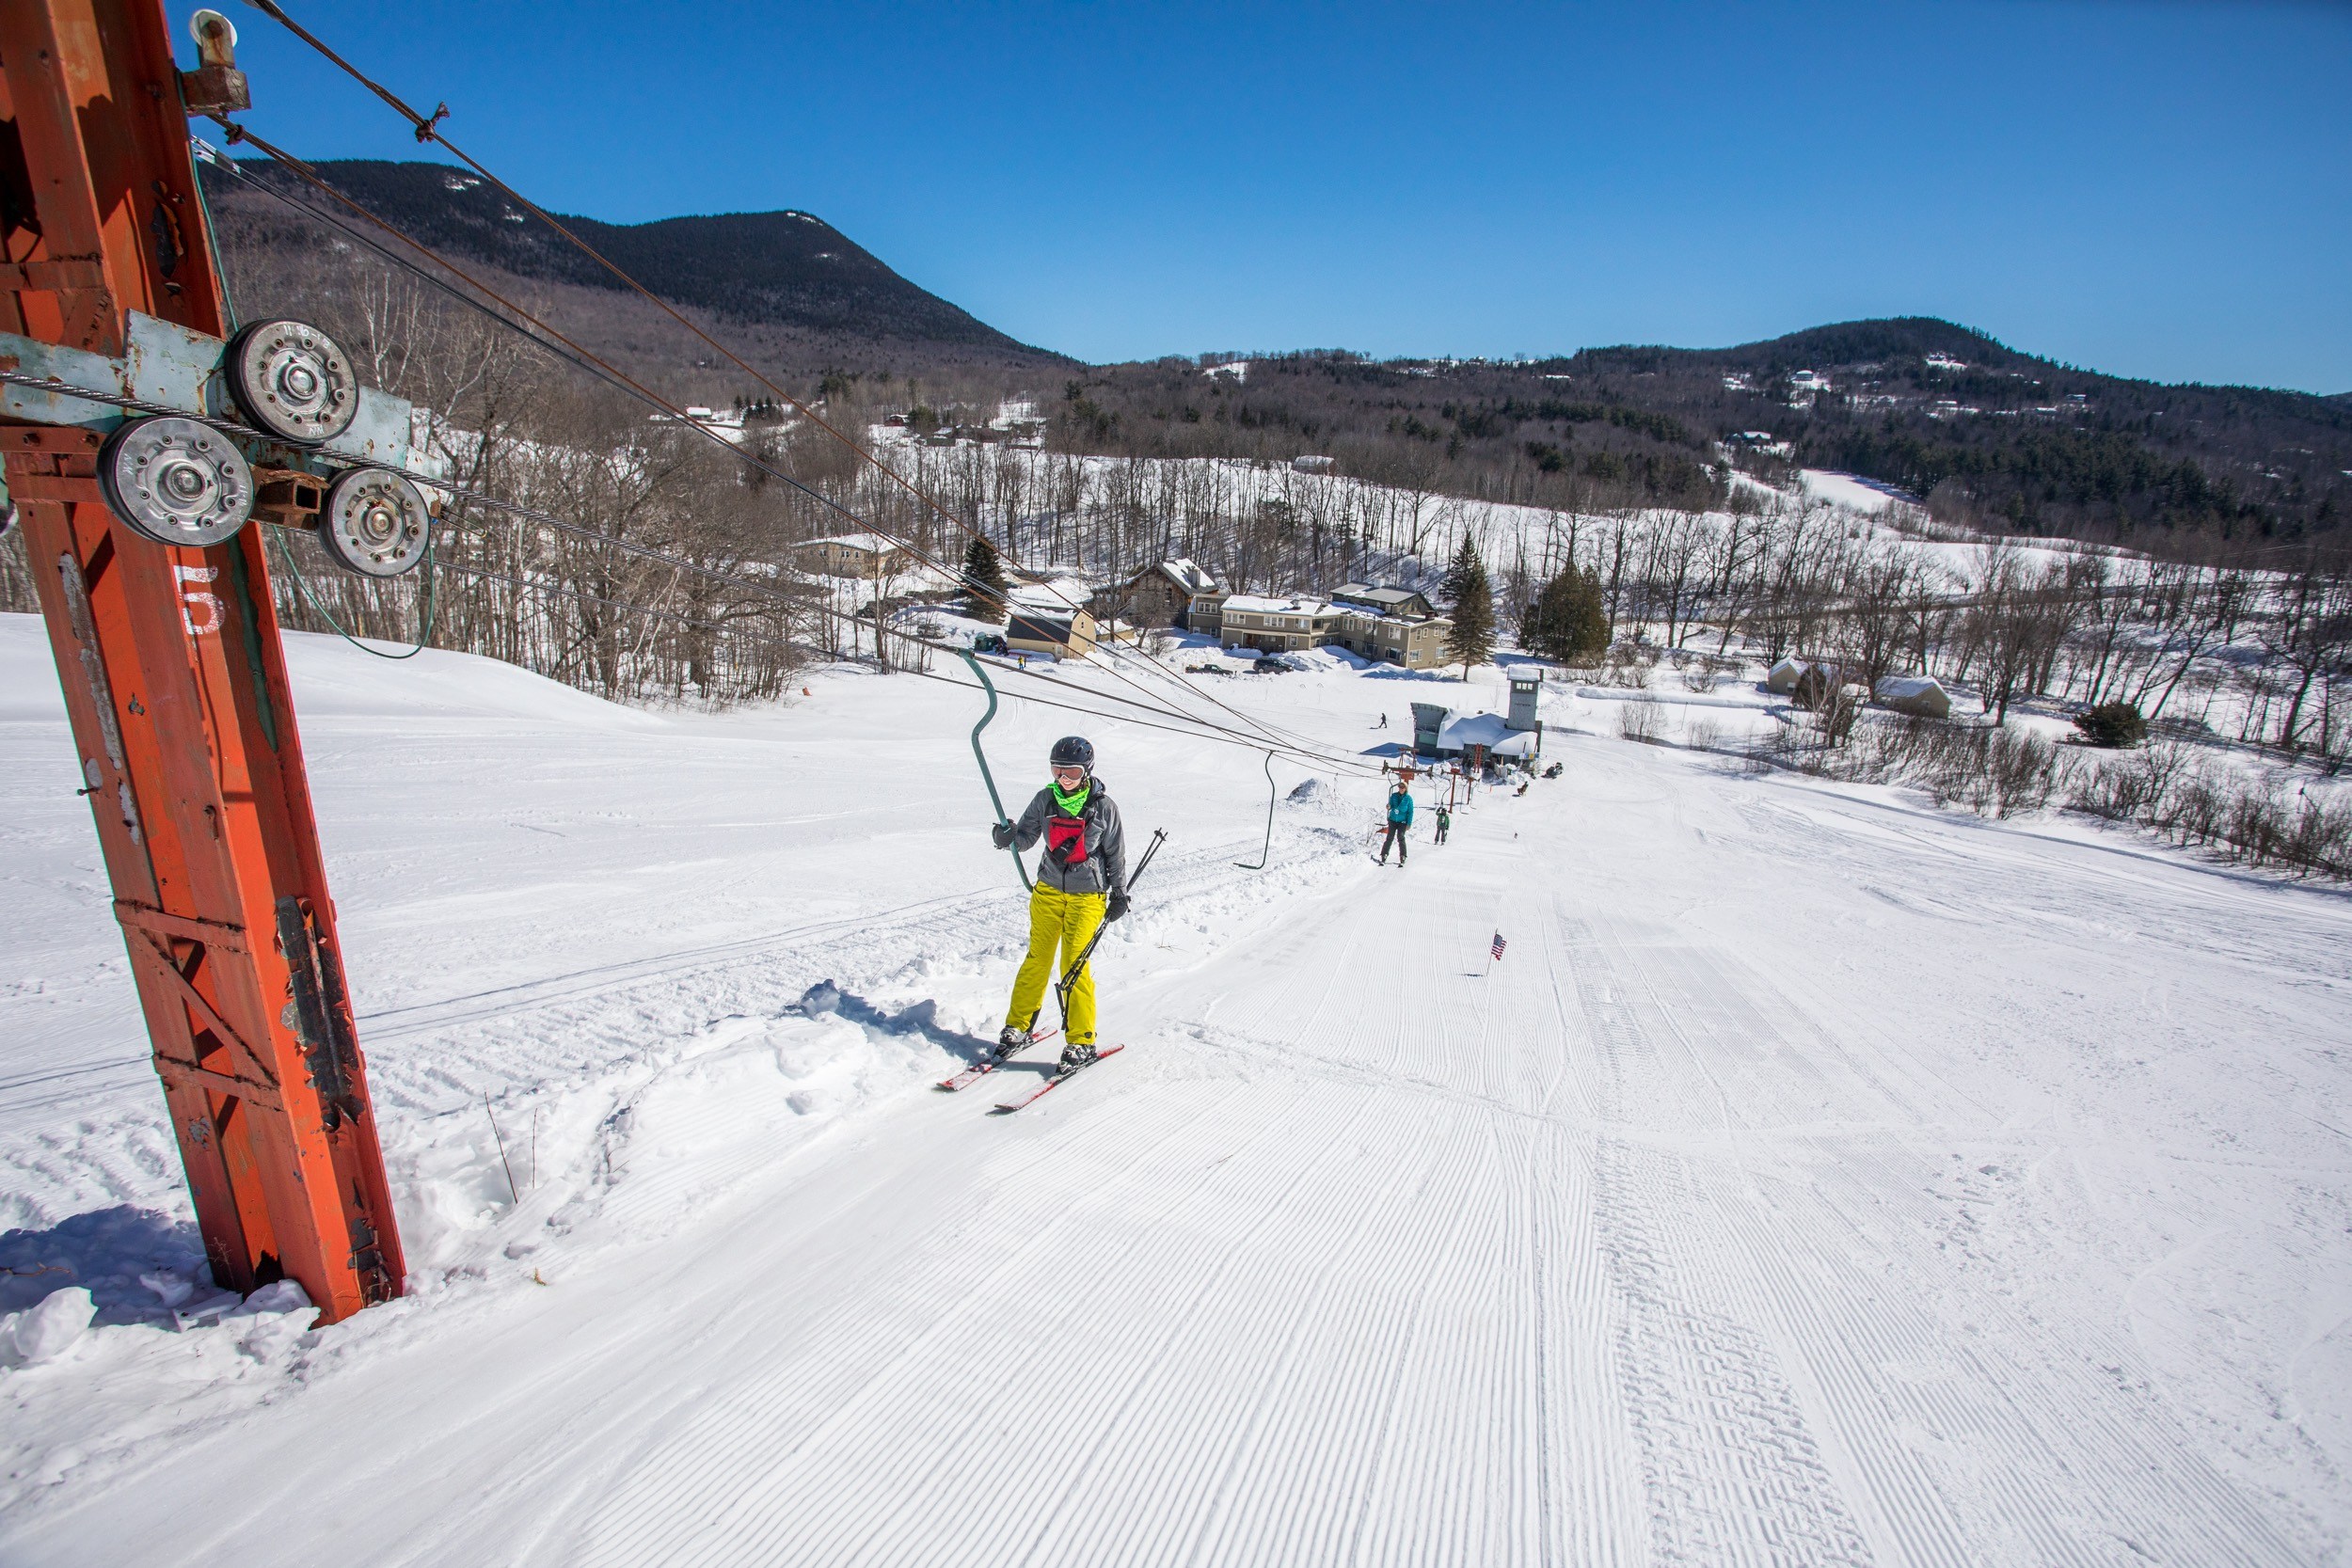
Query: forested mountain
[[1990, 436], [796, 296]]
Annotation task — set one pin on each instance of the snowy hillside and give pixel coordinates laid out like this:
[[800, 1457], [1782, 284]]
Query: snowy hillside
[[1819, 1178]]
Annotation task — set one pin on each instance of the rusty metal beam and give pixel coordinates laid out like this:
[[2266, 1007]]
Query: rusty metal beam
[[176, 686]]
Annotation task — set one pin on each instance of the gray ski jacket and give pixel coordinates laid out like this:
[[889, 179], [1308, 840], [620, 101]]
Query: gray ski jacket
[[1104, 866]]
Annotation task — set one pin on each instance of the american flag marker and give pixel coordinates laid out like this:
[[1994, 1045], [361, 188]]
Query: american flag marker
[[1495, 952]]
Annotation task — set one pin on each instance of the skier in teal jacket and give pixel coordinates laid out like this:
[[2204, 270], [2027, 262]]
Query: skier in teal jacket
[[1400, 819]]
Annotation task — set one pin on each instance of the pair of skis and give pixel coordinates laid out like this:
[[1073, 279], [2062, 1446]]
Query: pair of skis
[[987, 1065]]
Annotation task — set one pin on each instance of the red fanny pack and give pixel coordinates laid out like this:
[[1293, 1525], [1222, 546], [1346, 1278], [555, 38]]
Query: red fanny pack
[[1066, 840]]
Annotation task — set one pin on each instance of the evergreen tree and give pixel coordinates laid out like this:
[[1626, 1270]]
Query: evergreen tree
[[1457, 572], [984, 586], [1567, 621], [1472, 638]]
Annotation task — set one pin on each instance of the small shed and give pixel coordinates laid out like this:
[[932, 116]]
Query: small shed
[[1921, 696], [1809, 677], [1069, 635]]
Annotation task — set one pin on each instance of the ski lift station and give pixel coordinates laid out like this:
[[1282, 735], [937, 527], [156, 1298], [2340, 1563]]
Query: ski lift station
[[1439, 732]]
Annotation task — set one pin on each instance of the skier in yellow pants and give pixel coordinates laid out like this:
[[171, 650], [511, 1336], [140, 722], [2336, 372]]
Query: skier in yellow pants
[[1081, 883], [1067, 921]]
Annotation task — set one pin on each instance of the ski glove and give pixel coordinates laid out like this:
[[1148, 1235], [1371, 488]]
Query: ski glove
[[1002, 834], [1115, 907]]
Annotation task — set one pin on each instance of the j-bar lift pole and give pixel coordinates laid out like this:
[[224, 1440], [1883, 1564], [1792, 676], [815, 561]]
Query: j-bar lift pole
[[168, 654]]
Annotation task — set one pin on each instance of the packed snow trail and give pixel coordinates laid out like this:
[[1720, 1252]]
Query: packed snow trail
[[1819, 1179]]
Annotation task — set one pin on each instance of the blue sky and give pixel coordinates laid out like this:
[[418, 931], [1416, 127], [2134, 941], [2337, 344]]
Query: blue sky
[[2161, 190]]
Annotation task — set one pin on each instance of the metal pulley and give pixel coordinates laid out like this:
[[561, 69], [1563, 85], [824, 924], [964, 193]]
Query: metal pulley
[[373, 522], [293, 381], [175, 481]]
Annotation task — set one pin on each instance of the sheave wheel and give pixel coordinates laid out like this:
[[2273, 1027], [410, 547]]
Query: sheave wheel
[[293, 381], [373, 523], [175, 481]]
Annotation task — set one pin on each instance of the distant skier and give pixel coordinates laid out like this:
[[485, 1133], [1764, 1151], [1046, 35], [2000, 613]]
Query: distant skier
[[1445, 820], [1384, 720], [1081, 883], [1400, 819]]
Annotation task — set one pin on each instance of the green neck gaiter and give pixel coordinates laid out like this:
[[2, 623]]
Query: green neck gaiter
[[1071, 804]]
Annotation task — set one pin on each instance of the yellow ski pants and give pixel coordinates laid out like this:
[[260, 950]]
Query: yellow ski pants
[[1067, 921]]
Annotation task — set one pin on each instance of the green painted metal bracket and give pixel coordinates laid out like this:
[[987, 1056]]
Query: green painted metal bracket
[[981, 757]]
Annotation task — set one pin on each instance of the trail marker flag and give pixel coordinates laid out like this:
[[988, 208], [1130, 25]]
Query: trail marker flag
[[1499, 944]]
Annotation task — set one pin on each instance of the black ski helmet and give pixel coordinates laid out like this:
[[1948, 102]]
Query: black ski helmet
[[1073, 751]]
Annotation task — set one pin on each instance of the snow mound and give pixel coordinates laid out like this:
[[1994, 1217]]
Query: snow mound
[[1329, 658], [45, 1332]]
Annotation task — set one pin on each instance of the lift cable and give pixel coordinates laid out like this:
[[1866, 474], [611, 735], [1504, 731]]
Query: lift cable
[[427, 129], [1186, 724], [586, 359], [545, 336]]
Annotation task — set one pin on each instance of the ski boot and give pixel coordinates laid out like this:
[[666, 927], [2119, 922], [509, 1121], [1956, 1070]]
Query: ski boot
[[1011, 1039], [1075, 1055]]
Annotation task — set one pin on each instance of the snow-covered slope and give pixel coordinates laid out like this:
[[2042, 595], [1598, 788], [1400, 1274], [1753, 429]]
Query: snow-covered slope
[[1818, 1179]]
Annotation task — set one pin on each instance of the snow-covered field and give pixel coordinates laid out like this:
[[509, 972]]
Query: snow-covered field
[[1819, 1178]]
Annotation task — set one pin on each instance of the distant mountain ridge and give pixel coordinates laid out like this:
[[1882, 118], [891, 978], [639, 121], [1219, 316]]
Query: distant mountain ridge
[[1993, 437], [786, 268], [1898, 340]]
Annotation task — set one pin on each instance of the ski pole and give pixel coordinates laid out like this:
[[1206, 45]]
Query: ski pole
[[1061, 992]]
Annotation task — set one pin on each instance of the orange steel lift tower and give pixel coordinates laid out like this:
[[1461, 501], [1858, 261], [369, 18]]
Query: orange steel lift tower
[[173, 675]]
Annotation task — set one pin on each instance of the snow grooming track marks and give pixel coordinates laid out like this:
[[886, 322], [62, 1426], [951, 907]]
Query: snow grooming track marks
[[1711, 1225], [1929, 1413], [1299, 1251], [1055, 1079], [941, 916], [886, 1370], [1728, 1460]]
